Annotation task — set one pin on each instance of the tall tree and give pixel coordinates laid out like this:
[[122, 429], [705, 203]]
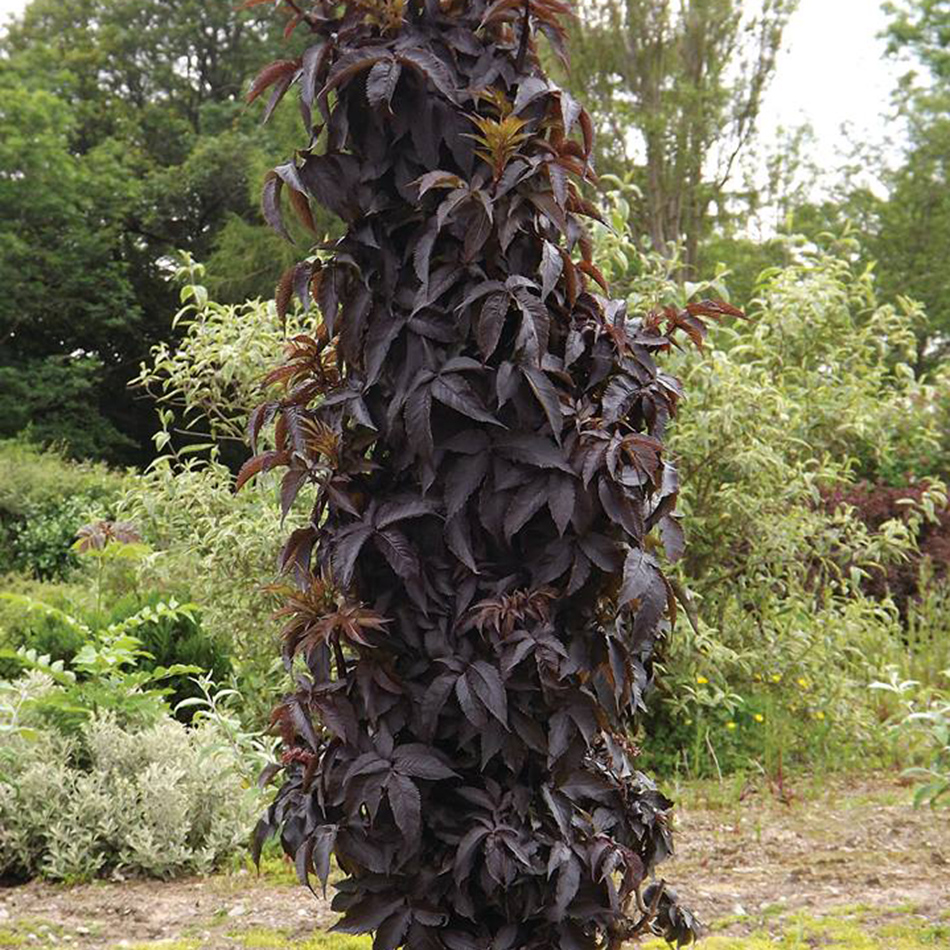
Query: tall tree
[[921, 29], [68, 311], [905, 231], [124, 136], [910, 230], [676, 85]]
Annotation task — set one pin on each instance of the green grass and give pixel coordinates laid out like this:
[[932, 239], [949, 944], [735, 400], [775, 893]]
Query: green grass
[[279, 940], [13, 937], [187, 944], [856, 927], [860, 927], [30, 932], [258, 938]]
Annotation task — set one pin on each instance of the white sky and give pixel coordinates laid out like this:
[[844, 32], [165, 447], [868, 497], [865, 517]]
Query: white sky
[[832, 71]]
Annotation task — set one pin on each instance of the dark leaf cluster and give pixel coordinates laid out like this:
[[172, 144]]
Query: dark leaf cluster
[[874, 504], [478, 586]]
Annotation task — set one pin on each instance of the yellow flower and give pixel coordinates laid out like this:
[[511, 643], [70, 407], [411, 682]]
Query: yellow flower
[[702, 680], [758, 717], [757, 677], [776, 677], [819, 715], [730, 726], [803, 682]]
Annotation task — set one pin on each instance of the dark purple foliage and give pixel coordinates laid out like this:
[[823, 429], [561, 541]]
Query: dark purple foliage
[[478, 593], [875, 504]]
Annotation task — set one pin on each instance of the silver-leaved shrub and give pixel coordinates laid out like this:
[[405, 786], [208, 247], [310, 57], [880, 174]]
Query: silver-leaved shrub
[[116, 801]]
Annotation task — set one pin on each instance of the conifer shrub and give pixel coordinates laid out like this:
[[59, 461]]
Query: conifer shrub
[[477, 590]]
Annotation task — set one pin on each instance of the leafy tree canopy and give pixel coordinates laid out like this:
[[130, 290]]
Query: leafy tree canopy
[[677, 88], [123, 137]]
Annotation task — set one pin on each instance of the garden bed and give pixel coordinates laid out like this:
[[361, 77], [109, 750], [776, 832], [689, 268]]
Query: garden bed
[[850, 864]]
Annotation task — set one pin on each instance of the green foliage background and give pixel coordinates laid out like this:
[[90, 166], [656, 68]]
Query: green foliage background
[[124, 142]]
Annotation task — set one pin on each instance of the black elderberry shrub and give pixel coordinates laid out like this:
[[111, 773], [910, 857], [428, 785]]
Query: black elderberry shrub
[[476, 593]]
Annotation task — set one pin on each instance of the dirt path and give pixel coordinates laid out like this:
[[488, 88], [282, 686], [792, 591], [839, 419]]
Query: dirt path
[[854, 844], [739, 861]]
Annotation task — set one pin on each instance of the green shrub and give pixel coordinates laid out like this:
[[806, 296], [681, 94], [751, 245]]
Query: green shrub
[[46, 633], [160, 801], [32, 477], [108, 674], [208, 383], [784, 686], [205, 539], [218, 546], [813, 390], [41, 543], [42, 620], [97, 777], [934, 778], [44, 500], [168, 638], [919, 715], [171, 639]]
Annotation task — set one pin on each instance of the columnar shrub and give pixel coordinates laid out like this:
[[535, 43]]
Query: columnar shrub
[[477, 592]]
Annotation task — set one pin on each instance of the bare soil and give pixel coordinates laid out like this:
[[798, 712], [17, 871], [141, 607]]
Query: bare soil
[[741, 853], [856, 843]]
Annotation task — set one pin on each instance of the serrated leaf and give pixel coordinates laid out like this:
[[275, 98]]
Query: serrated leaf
[[422, 252], [281, 69], [346, 549], [270, 205], [486, 682], [465, 853], [262, 831], [453, 391], [302, 862], [621, 394], [551, 266], [438, 179], [568, 882], [277, 94], [403, 508], [674, 541], [529, 90], [381, 82], [560, 498], [432, 68], [535, 325], [491, 322], [399, 553], [534, 450], [546, 394], [366, 915], [458, 539], [352, 63], [260, 463], [462, 479], [406, 803], [289, 488], [643, 583], [390, 933], [420, 761], [472, 709], [417, 414], [526, 503]]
